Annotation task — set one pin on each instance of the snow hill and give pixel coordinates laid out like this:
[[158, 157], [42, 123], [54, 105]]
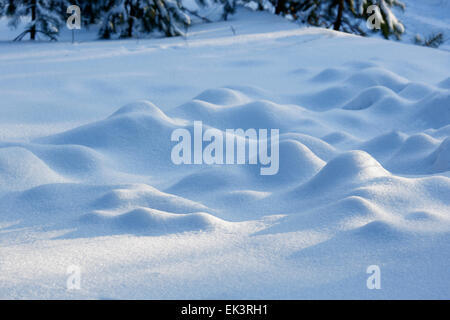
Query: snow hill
[[86, 177]]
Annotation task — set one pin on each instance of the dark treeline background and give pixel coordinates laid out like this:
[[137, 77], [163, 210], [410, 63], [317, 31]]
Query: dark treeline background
[[132, 18]]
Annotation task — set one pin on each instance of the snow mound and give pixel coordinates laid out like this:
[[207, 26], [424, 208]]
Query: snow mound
[[52, 202], [262, 114], [349, 167], [132, 135], [421, 216], [344, 214], [145, 107], [445, 84], [255, 114], [368, 97], [20, 169], [297, 163], [141, 195], [442, 132], [70, 160], [151, 221], [252, 92], [329, 74], [377, 76], [384, 145], [113, 131], [414, 155], [379, 232], [318, 146], [440, 159], [416, 91], [325, 99], [434, 111], [206, 181], [339, 137], [417, 143], [223, 96], [361, 65]]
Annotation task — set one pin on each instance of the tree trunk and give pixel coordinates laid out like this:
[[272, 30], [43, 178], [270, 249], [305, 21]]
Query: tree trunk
[[338, 22], [260, 5], [33, 19], [130, 20], [130, 27], [281, 6]]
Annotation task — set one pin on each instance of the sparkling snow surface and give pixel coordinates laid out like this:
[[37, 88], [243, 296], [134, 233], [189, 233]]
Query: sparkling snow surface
[[363, 179]]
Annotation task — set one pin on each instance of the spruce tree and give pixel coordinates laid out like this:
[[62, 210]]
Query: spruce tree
[[43, 16], [228, 8], [129, 18], [342, 15], [92, 10], [117, 18], [390, 25]]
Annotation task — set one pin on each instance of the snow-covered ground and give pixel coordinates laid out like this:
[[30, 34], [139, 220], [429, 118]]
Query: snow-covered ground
[[363, 180], [425, 18]]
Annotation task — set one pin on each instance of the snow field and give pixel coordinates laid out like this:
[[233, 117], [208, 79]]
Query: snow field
[[363, 177]]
